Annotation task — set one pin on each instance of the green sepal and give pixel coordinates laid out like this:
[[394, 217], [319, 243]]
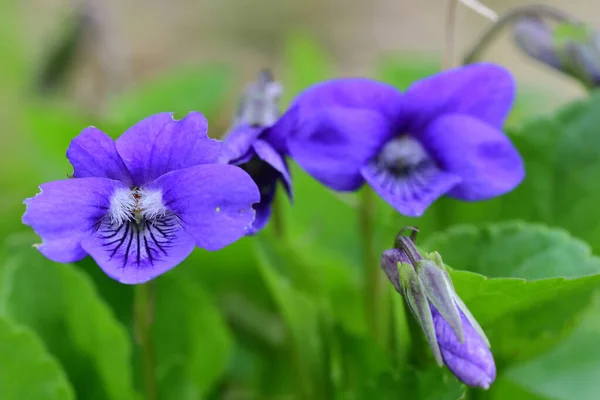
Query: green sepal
[[460, 304], [415, 296], [440, 291]]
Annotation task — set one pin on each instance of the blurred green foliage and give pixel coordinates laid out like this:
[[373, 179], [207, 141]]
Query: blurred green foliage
[[273, 317]]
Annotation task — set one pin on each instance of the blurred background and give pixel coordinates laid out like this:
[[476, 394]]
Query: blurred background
[[221, 325], [112, 46]]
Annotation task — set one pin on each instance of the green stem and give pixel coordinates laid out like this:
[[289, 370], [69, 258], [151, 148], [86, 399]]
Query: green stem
[[375, 293], [419, 353], [447, 60], [143, 316], [512, 15], [277, 215]]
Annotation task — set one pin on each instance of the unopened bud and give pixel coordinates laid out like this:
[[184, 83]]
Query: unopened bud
[[454, 336], [573, 49], [259, 105]]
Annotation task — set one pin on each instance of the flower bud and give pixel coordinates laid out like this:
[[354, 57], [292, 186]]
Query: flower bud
[[259, 106], [573, 49], [454, 336]]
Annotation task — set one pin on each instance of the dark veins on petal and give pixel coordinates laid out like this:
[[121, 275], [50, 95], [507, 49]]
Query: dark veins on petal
[[404, 168], [139, 242]]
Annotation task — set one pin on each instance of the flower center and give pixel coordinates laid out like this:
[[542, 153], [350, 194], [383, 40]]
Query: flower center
[[402, 156], [263, 174], [136, 204]]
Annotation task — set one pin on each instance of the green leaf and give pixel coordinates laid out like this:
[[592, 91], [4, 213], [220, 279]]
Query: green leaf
[[505, 389], [60, 303], [193, 343], [547, 279], [435, 383], [27, 371], [180, 91], [569, 370], [562, 162], [516, 250], [303, 317], [323, 219]]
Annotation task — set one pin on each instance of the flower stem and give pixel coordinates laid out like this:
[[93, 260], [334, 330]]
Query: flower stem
[[278, 216], [418, 353], [512, 15], [448, 58], [375, 293], [143, 316]]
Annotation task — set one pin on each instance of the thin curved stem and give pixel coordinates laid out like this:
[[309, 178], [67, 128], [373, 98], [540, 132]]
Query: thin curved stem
[[374, 285], [539, 10], [143, 312], [447, 60]]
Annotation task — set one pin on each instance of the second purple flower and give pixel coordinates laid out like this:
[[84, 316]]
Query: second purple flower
[[442, 137]]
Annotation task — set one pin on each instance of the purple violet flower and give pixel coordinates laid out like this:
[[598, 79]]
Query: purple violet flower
[[443, 136], [246, 144], [139, 205]]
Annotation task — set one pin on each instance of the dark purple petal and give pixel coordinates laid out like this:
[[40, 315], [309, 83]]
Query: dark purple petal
[[263, 211], [135, 253], [334, 143], [484, 157], [237, 145], [214, 202], [278, 134], [93, 154], [65, 212], [471, 361], [269, 155], [159, 144], [352, 94], [413, 194], [266, 177], [483, 91]]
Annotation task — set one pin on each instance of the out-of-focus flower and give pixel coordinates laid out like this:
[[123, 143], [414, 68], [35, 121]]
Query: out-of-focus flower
[[573, 49], [247, 144], [455, 337], [139, 205], [443, 136]]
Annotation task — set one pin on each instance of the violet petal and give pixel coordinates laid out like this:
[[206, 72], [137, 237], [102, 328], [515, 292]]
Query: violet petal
[[213, 202], [65, 212], [485, 159], [471, 361], [334, 143], [159, 144], [483, 91], [94, 154], [413, 194]]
